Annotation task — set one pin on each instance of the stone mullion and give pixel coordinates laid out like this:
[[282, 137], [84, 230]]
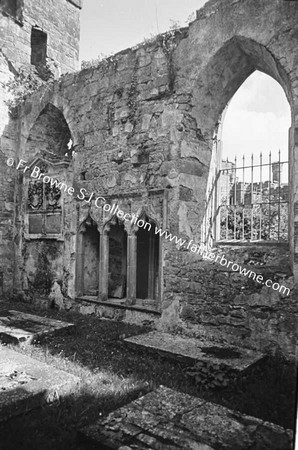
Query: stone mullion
[[151, 267], [131, 269], [103, 266], [124, 261], [80, 264]]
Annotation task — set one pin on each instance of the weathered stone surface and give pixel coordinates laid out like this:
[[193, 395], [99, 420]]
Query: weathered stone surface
[[192, 350], [61, 22], [26, 383], [64, 16], [18, 328], [143, 125], [167, 419]]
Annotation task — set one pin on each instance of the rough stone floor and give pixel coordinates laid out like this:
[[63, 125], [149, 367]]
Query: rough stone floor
[[26, 383], [192, 350], [166, 419], [17, 327]]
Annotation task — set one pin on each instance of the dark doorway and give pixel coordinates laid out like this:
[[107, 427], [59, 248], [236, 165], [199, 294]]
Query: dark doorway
[[147, 264], [91, 260], [117, 261]]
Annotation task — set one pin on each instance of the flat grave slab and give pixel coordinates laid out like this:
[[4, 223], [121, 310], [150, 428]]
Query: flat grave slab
[[26, 383], [18, 327], [191, 350], [166, 419]]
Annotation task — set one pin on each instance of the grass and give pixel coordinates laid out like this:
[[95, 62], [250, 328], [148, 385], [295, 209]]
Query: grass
[[113, 374]]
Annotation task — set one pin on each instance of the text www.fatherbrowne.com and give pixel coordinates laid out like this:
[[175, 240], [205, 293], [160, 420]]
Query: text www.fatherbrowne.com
[[100, 202]]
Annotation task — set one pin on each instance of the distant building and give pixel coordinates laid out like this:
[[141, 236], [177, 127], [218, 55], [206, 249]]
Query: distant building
[[234, 192]]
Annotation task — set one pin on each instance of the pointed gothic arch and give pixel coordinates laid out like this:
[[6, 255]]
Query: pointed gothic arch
[[50, 135], [225, 72]]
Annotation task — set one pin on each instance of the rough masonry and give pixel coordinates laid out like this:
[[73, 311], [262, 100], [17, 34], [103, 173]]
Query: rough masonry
[[139, 129]]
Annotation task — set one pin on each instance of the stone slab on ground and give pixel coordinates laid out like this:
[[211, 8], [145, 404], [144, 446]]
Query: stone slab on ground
[[166, 419], [18, 327], [26, 383], [191, 350]]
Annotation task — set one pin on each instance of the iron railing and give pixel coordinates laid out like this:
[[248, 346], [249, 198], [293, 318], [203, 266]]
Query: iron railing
[[248, 202]]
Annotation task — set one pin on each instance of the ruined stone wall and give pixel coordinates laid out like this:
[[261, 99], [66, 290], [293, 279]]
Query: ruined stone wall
[[9, 129], [123, 123], [143, 123], [212, 299], [59, 19]]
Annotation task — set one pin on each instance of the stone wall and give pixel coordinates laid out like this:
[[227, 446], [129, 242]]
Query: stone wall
[[9, 128], [142, 125], [59, 19], [230, 306]]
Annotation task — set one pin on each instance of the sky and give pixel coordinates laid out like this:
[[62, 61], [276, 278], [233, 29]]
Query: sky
[[258, 116], [108, 26], [257, 119]]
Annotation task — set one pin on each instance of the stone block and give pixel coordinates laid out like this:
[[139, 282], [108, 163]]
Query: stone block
[[27, 384], [165, 419], [191, 350], [20, 328]]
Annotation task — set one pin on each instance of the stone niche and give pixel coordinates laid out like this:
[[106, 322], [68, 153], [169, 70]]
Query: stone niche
[[44, 199]]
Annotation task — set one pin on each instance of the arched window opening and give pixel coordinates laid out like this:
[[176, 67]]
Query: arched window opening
[[50, 135], [117, 260], [49, 147], [252, 186], [147, 262]]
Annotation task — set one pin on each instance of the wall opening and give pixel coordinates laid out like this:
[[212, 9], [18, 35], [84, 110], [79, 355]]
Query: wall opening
[[48, 141], [147, 263], [253, 184], [50, 135], [38, 47], [117, 261], [243, 57], [91, 260]]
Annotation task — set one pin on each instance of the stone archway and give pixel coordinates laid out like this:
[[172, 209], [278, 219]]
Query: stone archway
[[50, 134], [229, 61]]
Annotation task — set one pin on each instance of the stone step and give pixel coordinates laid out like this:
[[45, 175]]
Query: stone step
[[166, 419], [190, 350], [27, 384], [17, 327]]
